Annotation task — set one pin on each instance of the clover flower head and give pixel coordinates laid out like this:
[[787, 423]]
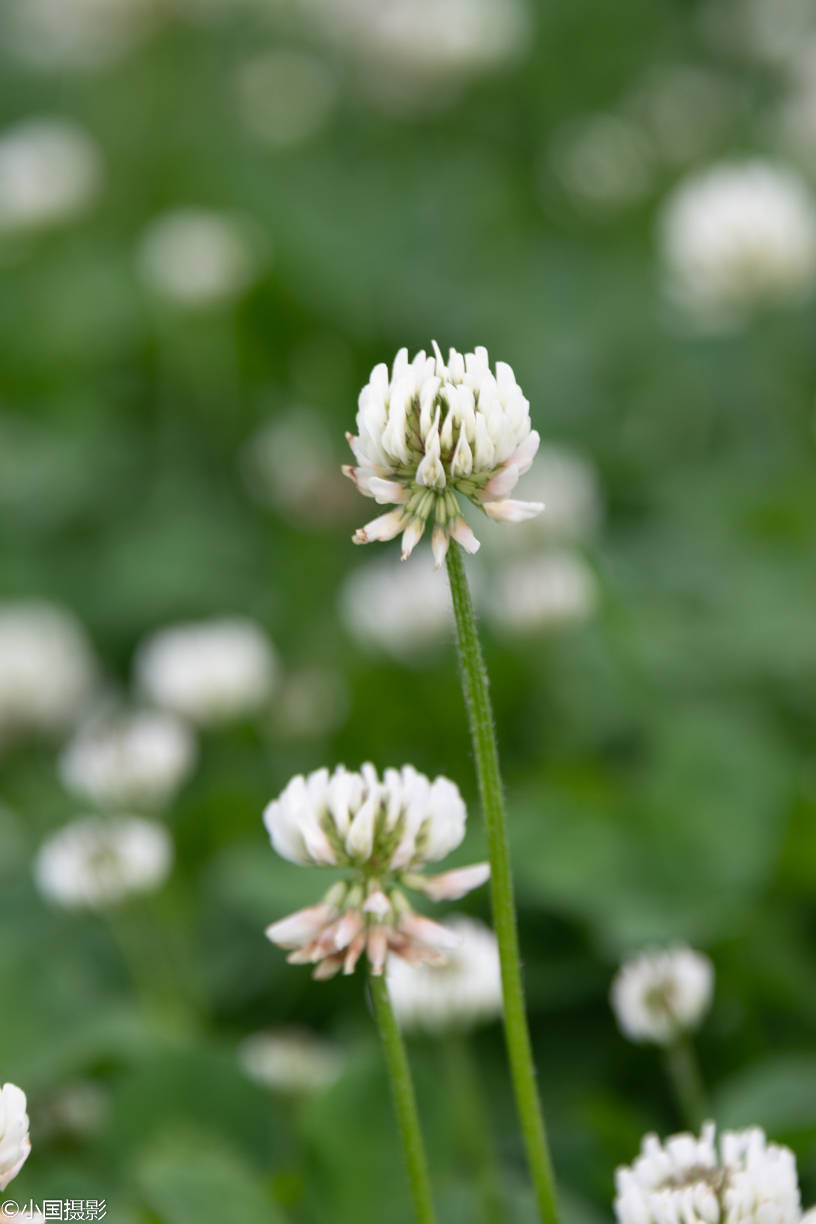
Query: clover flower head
[[686, 1180], [431, 429], [463, 991], [140, 758], [382, 832], [95, 861], [15, 1144], [291, 1060], [662, 993]]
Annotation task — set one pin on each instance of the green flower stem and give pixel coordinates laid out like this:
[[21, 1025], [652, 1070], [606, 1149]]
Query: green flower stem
[[473, 1125], [519, 1048], [405, 1105], [687, 1081]]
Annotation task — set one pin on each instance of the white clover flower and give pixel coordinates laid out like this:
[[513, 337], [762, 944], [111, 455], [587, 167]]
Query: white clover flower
[[603, 161], [47, 669], [399, 610], [738, 236], [463, 991], [661, 994], [382, 831], [285, 96], [291, 1060], [134, 759], [197, 258], [96, 861], [686, 1180], [291, 464], [551, 589], [15, 1144], [432, 430], [809, 1217], [414, 54], [208, 671], [50, 173]]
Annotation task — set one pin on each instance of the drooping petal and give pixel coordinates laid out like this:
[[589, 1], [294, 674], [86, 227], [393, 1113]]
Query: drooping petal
[[510, 511], [451, 885]]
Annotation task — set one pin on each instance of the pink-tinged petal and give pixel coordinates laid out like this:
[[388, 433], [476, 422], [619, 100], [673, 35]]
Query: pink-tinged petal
[[524, 455], [377, 904], [347, 929], [383, 528], [451, 885], [411, 537], [504, 481], [463, 535], [439, 545], [354, 952], [307, 955], [510, 511], [301, 927], [432, 934], [327, 968], [377, 949]]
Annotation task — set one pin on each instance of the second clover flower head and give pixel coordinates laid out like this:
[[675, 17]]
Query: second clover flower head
[[382, 831], [662, 993], [431, 429]]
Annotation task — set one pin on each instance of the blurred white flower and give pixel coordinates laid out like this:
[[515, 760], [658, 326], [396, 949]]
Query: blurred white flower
[[50, 173], [433, 429], [549, 589], [661, 994], [765, 31], [125, 760], [414, 54], [603, 161], [809, 1217], [208, 671], [463, 991], [292, 1060], [77, 34], [15, 1144], [686, 1180], [197, 258], [285, 97], [98, 861], [47, 669], [399, 610], [383, 832], [684, 109], [737, 236], [291, 464]]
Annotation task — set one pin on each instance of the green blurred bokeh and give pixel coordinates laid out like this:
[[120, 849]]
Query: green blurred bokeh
[[659, 755]]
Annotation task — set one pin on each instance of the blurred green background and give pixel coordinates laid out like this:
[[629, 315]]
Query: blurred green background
[[658, 748]]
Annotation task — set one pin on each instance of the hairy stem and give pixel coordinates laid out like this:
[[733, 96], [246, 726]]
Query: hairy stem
[[483, 735], [402, 1090]]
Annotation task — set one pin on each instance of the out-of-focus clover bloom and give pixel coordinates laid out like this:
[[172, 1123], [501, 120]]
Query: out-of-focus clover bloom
[[208, 671], [463, 991], [383, 832], [197, 258], [77, 34], [15, 1144], [136, 759], [735, 237], [551, 589], [47, 669], [95, 861], [661, 994], [403, 611], [432, 429], [686, 1180], [292, 1060], [50, 173]]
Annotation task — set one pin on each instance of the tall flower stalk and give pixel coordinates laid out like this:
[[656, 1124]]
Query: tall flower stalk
[[485, 750], [429, 431]]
